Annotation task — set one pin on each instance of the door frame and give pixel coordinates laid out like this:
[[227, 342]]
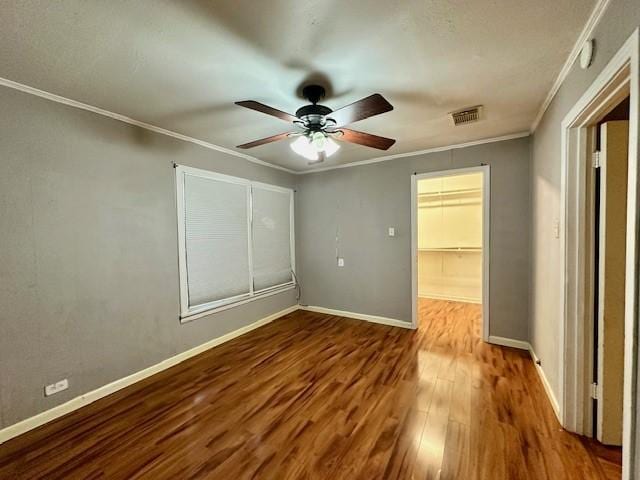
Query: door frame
[[620, 78], [486, 237]]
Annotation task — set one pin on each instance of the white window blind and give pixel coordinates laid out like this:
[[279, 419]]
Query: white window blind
[[216, 238], [271, 237], [235, 240]]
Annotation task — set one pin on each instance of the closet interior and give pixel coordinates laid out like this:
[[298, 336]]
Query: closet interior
[[450, 238]]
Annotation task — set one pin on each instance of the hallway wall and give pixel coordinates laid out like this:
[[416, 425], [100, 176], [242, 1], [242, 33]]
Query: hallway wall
[[620, 19]]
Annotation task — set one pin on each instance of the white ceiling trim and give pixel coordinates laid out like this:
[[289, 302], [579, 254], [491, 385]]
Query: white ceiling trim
[[420, 152], [123, 118], [163, 131], [587, 31]]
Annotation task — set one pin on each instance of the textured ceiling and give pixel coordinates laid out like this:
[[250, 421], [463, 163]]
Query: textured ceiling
[[181, 65]]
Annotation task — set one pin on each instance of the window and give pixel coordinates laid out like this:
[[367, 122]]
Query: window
[[235, 240]]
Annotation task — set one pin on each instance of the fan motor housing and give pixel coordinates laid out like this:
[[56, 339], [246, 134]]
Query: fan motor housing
[[313, 93], [313, 114]]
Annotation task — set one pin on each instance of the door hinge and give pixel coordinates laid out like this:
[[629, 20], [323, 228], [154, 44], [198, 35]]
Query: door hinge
[[596, 159], [594, 391]]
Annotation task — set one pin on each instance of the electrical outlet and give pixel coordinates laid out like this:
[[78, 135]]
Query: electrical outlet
[[341, 262], [56, 387], [392, 231], [556, 229]]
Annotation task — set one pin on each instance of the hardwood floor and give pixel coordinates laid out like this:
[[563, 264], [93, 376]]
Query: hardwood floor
[[314, 396]]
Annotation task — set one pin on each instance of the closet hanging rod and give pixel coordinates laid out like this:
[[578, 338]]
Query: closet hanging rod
[[450, 205]]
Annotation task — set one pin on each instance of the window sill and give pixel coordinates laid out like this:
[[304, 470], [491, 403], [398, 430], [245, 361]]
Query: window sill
[[193, 315]]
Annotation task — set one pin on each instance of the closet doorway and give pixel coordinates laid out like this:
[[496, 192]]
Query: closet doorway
[[450, 240], [606, 185]]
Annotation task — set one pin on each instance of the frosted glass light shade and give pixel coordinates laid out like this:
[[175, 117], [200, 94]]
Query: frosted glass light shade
[[330, 147], [302, 146], [309, 147]]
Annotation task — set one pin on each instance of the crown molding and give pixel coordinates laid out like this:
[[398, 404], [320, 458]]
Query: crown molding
[[132, 121], [587, 31], [592, 22], [419, 152], [163, 131]]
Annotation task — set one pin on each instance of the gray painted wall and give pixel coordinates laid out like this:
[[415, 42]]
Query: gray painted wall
[[621, 18], [350, 210], [88, 251], [619, 21]]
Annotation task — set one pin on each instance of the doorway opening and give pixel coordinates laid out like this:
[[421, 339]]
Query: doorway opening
[[450, 229]]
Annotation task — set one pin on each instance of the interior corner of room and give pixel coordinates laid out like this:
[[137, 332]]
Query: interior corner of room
[[438, 242]]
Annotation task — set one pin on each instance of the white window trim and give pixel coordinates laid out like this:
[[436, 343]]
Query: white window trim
[[186, 313]]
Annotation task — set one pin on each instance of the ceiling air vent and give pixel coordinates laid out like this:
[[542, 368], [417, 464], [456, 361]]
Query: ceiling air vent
[[468, 115]]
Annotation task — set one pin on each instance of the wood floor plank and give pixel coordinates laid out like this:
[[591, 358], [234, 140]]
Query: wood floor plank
[[314, 396], [402, 459], [456, 463], [431, 450]]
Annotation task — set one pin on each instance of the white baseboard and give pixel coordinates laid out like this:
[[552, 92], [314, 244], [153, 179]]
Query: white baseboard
[[509, 342], [40, 419], [359, 316], [90, 397], [451, 298], [545, 383]]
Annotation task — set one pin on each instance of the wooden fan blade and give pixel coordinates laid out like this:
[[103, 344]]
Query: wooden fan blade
[[366, 139], [367, 107], [262, 141], [261, 107]]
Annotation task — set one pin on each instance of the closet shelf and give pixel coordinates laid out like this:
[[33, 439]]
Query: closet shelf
[[448, 193], [451, 249], [459, 204]]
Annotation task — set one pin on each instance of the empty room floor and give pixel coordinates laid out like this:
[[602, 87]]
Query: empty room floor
[[315, 396]]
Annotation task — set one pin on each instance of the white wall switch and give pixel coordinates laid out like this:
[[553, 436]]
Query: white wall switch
[[341, 262], [56, 387], [392, 231]]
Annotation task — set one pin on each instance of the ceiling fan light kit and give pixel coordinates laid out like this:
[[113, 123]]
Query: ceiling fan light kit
[[313, 147], [317, 125]]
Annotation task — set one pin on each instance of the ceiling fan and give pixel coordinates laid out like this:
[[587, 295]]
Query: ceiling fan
[[316, 125]]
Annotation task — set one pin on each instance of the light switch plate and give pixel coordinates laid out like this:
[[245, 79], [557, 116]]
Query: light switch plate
[[392, 231], [341, 262]]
